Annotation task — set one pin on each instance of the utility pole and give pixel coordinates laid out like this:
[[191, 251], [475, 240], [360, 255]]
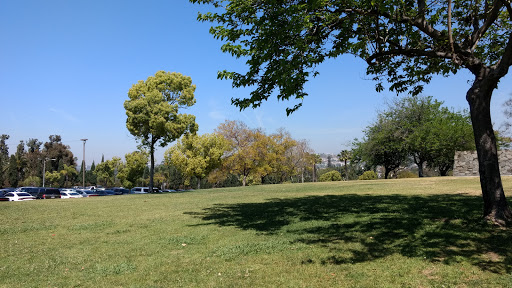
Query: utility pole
[[83, 165]]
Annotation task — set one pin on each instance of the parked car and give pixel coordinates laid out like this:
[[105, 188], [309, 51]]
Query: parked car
[[87, 193], [139, 190], [105, 192], [47, 193], [120, 190], [169, 191], [5, 191], [17, 196], [30, 190], [69, 194]]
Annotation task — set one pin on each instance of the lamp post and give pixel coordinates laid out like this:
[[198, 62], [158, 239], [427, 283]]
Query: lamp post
[[83, 165], [44, 168]]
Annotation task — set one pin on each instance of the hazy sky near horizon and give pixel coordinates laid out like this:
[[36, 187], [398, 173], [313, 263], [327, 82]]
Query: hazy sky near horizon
[[66, 67]]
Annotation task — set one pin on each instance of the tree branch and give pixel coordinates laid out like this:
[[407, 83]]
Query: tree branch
[[418, 22], [450, 36], [409, 53], [493, 15], [505, 62], [508, 6]]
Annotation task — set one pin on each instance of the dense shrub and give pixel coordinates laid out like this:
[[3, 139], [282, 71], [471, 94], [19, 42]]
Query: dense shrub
[[330, 176], [406, 174], [368, 175]]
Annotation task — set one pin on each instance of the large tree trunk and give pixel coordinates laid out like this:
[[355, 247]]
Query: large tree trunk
[[496, 208], [151, 167], [419, 162], [386, 172]]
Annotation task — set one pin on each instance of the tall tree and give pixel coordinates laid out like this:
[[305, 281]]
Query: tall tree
[[68, 172], [12, 172], [243, 157], [450, 132], [133, 169], [303, 157], [403, 42], [90, 177], [106, 171], [34, 158], [196, 156], [55, 149], [383, 145], [21, 161], [152, 111], [4, 158], [345, 156]]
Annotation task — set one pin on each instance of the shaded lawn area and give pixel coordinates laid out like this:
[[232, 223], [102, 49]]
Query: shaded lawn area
[[383, 233], [357, 228]]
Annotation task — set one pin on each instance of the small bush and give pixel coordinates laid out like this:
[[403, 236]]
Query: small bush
[[406, 174], [368, 175], [330, 176]]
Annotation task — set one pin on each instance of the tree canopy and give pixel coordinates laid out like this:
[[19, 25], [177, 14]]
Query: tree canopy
[[416, 128], [153, 111], [196, 156]]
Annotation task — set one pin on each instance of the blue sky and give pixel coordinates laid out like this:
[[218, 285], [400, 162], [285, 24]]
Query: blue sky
[[66, 67]]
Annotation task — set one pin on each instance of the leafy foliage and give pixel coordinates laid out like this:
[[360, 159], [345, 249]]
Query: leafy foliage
[[330, 176], [152, 110], [55, 149], [196, 156], [419, 128], [133, 169], [404, 42], [368, 175]]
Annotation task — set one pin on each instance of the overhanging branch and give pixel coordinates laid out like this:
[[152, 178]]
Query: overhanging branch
[[509, 8], [408, 53], [493, 15], [505, 62]]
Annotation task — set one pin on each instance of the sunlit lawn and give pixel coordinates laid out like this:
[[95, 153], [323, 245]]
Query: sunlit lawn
[[386, 233]]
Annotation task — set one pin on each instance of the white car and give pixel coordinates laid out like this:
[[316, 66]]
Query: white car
[[69, 194], [17, 196]]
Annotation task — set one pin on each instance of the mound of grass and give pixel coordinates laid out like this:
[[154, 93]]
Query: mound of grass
[[423, 232]]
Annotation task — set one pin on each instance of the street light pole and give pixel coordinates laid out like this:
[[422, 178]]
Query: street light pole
[[44, 169], [83, 165]]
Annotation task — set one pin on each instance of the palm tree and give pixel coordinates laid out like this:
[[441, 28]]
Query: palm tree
[[345, 156]]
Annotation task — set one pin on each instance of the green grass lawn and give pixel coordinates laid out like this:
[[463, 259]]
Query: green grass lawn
[[384, 233]]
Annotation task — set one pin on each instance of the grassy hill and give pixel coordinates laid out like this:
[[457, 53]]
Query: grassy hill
[[385, 233]]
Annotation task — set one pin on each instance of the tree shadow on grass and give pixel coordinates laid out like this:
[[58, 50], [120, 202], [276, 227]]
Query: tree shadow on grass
[[446, 228]]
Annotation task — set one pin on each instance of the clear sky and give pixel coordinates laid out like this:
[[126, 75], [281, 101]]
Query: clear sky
[[66, 67]]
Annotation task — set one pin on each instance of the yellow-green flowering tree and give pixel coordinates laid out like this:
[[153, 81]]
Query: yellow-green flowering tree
[[197, 155]]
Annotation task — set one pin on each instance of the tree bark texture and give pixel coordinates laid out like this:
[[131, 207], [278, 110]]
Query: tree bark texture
[[420, 167], [386, 172], [152, 166], [496, 208]]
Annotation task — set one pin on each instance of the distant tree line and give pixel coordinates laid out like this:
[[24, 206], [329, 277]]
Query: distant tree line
[[234, 155], [25, 167]]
